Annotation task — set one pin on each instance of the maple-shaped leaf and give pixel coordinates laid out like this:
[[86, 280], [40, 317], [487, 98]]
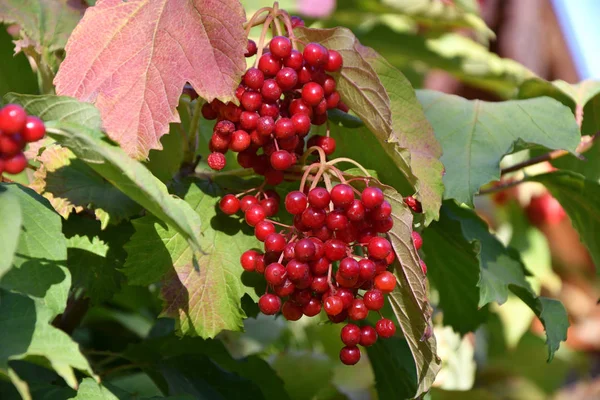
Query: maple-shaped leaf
[[132, 59]]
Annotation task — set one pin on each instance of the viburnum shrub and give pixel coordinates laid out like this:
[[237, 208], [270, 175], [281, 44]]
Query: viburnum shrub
[[201, 199]]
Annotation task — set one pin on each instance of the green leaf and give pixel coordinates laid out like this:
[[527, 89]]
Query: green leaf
[[384, 99], [475, 135], [202, 290], [89, 389], [12, 220], [44, 23], [409, 299], [580, 198], [58, 108], [172, 357], [129, 176], [12, 65], [165, 163], [26, 334], [39, 269], [72, 186], [317, 373], [500, 271]]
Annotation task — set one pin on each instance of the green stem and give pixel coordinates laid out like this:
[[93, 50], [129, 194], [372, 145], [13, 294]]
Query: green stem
[[233, 172], [192, 142]]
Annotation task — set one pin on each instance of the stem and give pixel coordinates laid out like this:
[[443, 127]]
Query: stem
[[309, 151], [288, 25], [279, 223], [263, 35], [257, 19], [500, 187], [306, 173], [351, 161], [192, 142], [322, 169], [6, 180], [339, 174], [234, 172], [122, 368]]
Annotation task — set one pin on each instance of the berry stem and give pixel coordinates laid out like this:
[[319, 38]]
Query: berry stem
[[306, 174], [309, 151], [6, 180], [263, 35], [192, 137], [234, 172], [351, 161], [288, 24], [257, 19], [279, 223], [318, 175], [500, 187]]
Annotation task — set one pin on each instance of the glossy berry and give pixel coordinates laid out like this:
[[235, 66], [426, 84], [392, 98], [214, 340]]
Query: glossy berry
[[350, 355], [301, 124], [372, 197], [286, 78], [216, 161], [417, 239], [312, 93], [350, 335], [333, 305], [284, 128], [224, 128], [247, 201], [263, 229], [275, 274], [349, 268], [358, 310], [280, 46], [314, 217], [251, 48], [294, 60], [386, 282], [413, 204], [367, 270], [248, 260], [296, 21], [305, 249], [281, 160], [12, 119], [356, 211], [254, 78], [15, 164], [368, 336], [342, 195], [379, 248], [240, 141], [270, 90], [34, 129], [229, 204], [334, 61], [254, 215], [291, 311], [423, 267], [269, 304], [315, 55], [319, 197], [385, 328], [335, 249], [11, 145], [374, 299], [312, 308], [382, 212], [295, 202], [208, 112], [251, 101]]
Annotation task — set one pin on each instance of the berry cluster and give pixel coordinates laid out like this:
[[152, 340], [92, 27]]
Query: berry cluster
[[334, 258], [280, 98], [16, 130]]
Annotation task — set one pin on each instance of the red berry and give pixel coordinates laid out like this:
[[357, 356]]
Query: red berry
[[355, 211], [249, 120], [34, 129], [349, 355], [269, 64], [11, 145], [417, 239], [374, 299], [312, 93], [240, 141], [12, 119], [232, 112], [281, 160], [423, 267], [358, 310], [333, 305], [286, 289], [312, 308], [384, 225], [342, 195], [296, 21], [350, 335], [208, 112], [336, 220], [372, 197], [379, 248], [286, 78], [248, 260], [251, 101], [368, 336], [305, 250], [334, 61], [273, 177], [315, 55], [220, 143], [314, 217], [280, 46], [295, 202], [301, 297], [224, 128], [284, 128], [269, 110], [367, 270], [251, 48], [275, 242], [332, 100], [319, 197], [254, 215], [216, 161], [291, 311], [385, 328], [294, 60], [263, 229], [349, 268], [320, 284], [320, 266], [229, 204], [247, 201], [254, 78], [381, 212], [301, 124], [545, 209], [386, 282], [270, 90], [275, 274], [271, 206], [269, 304], [413, 204], [298, 106]]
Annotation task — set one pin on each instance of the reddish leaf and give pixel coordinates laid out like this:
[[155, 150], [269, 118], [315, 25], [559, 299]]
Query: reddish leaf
[[133, 58]]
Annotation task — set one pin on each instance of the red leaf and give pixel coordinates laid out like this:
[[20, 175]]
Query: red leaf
[[133, 58]]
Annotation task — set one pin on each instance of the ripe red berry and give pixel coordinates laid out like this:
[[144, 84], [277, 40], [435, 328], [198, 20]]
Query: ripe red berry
[[240, 141], [295, 202], [379, 248], [332, 100], [280, 46], [255, 214], [349, 268], [263, 229], [301, 124], [12, 119], [284, 128], [273, 177], [312, 93], [15, 164], [275, 242], [34, 129], [333, 305], [11, 145], [385, 281], [314, 217], [417, 239], [383, 226], [315, 55], [285, 289], [269, 304], [254, 78], [251, 48], [296, 21], [342, 195], [305, 250], [286, 78], [251, 101], [269, 64], [208, 112], [413, 204], [247, 201], [301, 297], [545, 209], [298, 106], [281, 160], [249, 120], [368, 336], [312, 308], [248, 260], [275, 274], [229, 204], [320, 284], [220, 143], [336, 220], [269, 110], [374, 299], [294, 60], [216, 161], [423, 267], [350, 355], [319, 197], [367, 270], [224, 128], [350, 335], [291, 311], [372, 197], [355, 211], [385, 328], [270, 90], [358, 310], [382, 212], [334, 61]]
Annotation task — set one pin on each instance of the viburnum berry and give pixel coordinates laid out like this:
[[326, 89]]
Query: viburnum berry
[[281, 160], [417, 239], [248, 260], [342, 195], [247, 201], [255, 214], [286, 78], [334, 61], [319, 197], [350, 355], [280, 46], [296, 202], [263, 229], [349, 268], [374, 299], [315, 55], [358, 310], [269, 304], [269, 64], [271, 206], [305, 249], [368, 336], [385, 328], [372, 197], [291, 311], [312, 308], [251, 48], [379, 248], [312, 93], [34, 129], [413, 204], [15, 164], [229, 204], [275, 274], [12, 119], [423, 267], [216, 161], [335, 249], [350, 335], [333, 305], [386, 282]]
